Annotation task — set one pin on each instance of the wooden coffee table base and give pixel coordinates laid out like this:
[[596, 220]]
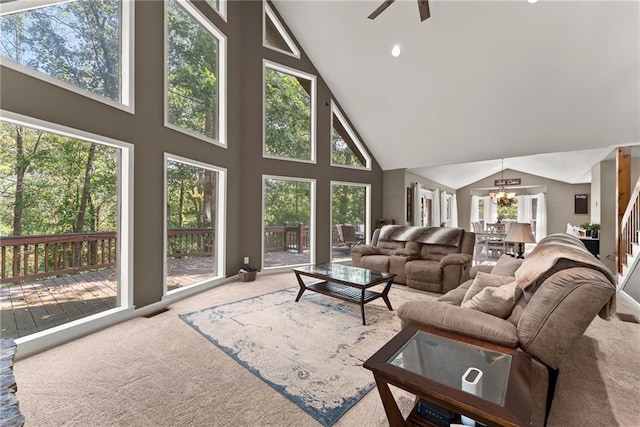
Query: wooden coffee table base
[[346, 291]]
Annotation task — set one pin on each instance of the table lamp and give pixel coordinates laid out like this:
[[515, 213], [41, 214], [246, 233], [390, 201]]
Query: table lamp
[[520, 233]]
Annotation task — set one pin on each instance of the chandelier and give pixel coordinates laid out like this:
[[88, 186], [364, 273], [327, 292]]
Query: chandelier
[[502, 198]]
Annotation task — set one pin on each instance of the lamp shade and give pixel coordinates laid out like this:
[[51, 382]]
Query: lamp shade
[[520, 232]]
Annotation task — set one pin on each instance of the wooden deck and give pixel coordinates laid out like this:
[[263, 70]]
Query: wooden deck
[[39, 305]]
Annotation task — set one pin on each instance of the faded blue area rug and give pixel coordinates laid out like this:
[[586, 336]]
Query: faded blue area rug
[[311, 351]]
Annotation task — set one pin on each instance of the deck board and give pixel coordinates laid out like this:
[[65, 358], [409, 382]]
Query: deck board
[[39, 305]]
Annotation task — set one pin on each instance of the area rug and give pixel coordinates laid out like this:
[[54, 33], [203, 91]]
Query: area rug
[[311, 351]]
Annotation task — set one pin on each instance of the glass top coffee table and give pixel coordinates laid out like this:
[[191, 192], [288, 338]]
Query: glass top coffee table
[[432, 367], [346, 283]]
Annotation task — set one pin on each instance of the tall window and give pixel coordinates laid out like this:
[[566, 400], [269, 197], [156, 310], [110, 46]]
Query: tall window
[[64, 209], [195, 75], [346, 149], [288, 226], [289, 113], [194, 218], [349, 218], [82, 45]]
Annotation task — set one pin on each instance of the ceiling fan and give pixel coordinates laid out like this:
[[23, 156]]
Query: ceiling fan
[[423, 7]]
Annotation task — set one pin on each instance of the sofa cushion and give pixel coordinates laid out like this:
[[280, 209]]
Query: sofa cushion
[[449, 236], [389, 247], [375, 262], [456, 295], [424, 271], [495, 300], [483, 280], [471, 323], [506, 266]]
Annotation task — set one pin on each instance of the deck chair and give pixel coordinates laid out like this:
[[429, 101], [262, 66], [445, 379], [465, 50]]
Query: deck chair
[[347, 234]]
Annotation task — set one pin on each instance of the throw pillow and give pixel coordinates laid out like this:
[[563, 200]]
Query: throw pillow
[[506, 266], [497, 301], [483, 280]]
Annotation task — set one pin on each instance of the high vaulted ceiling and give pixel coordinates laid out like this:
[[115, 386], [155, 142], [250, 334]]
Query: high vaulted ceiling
[[480, 80]]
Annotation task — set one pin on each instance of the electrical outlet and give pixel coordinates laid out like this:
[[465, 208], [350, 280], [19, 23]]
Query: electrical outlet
[[246, 260]]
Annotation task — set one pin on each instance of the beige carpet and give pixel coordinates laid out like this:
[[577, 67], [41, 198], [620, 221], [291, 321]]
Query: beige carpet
[[159, 372]]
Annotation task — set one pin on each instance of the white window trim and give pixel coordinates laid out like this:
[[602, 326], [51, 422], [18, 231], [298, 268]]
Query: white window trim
[[284, 69], [336, 110], [127, 71], [268, 13], [220, 230], [201, 19], [222, 11], [312, 221], [67, 331], [367, 220]]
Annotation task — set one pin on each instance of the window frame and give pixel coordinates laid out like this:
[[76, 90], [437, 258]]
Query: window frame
[[220, 227], [335, 110], [296, 73], [210, 27], [268, 13], [124, 255], [367, 219], [222, 10], [312, 220], [127, 57]]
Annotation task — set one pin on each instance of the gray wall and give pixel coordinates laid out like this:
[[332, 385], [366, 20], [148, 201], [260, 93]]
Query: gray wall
[[559, 200], [243, 157], [395, 184]]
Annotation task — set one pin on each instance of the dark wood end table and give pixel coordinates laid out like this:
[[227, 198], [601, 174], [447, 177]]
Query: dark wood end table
[[431, 364], [346, 283]]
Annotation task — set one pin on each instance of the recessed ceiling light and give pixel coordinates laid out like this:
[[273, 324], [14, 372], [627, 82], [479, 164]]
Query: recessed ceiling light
[[532, 1], [396, 51]]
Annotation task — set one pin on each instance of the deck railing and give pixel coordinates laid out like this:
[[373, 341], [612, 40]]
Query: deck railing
[[286, 237], [629, 226], [32, 257]]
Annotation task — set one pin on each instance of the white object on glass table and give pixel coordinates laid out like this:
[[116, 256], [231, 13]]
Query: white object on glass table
[[471, 383]]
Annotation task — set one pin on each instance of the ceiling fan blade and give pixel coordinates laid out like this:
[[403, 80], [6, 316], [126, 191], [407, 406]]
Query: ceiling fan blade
[[381, 9], [423, 6]]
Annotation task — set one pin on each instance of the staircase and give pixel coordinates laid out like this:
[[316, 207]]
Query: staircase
[[629, 250]]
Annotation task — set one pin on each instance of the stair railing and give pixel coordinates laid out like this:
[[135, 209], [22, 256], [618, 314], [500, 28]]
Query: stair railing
[[629, 227]]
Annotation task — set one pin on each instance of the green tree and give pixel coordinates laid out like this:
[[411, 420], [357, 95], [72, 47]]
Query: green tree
[[348, 204], [287, 201], [192, 74], [287, 116]]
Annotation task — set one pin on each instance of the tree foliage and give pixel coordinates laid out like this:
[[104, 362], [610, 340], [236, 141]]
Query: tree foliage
[[287, 116], [192, 72], [53, 183], [348, 204], [191, 196], [76, 42], [341, 152], [287, 201]]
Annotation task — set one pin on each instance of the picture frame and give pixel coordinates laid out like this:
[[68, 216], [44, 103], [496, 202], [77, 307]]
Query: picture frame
[[581, 204]]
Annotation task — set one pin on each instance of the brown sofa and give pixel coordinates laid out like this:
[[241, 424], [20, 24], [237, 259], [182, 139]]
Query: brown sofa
[[541, 306], [435, 259]]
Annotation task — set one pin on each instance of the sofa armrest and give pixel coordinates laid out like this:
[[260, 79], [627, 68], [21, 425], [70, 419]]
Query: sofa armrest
[[483, 268], [365, 250], [462, 321], [455, 270], [455, 259]]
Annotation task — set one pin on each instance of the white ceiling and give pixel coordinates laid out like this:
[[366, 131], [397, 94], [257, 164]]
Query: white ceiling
[[480, 80]]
